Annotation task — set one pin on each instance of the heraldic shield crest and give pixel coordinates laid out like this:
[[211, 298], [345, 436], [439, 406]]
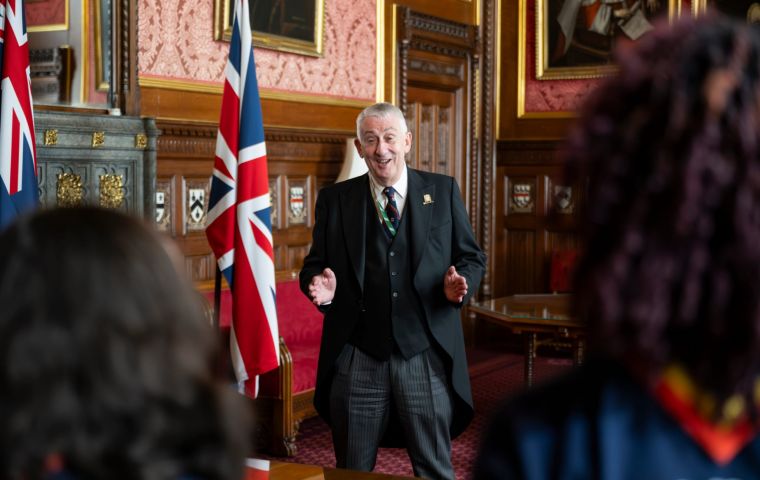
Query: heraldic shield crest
[[160, 206], [563, 198], [196, 203], [296, 205], [522, 198]]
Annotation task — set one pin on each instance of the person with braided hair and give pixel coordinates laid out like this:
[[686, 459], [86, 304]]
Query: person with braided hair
[[669, 276]]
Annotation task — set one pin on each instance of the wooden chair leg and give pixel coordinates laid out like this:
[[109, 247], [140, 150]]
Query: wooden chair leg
[[284, 429]]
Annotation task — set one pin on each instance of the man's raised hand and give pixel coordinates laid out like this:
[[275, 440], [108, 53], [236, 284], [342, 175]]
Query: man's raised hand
[[322, 287], [454, 285]]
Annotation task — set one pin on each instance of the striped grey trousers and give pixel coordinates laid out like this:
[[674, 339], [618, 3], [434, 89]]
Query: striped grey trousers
[[360, 402]]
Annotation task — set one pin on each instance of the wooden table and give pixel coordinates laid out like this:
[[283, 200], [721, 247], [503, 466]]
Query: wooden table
[[546, 315], [297, 471]]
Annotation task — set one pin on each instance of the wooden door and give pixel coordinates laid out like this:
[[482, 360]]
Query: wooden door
[[437, 58], [432, 119]]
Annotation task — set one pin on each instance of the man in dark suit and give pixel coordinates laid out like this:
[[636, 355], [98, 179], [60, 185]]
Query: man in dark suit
[[393, 258]]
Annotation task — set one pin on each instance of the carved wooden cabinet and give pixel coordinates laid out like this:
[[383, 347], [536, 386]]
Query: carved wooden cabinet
[[96, 159]]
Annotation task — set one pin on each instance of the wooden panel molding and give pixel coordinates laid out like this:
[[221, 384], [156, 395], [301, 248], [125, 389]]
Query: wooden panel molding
[[460, 11], [438, 90], [299, 161], [482, 197], [183, 139], [168, 103], [536, 214]]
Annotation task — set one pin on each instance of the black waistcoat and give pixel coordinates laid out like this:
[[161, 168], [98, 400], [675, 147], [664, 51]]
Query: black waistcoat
[[393, 314]]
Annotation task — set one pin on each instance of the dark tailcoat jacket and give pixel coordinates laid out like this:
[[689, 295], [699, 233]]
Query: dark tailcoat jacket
[[440, 236]]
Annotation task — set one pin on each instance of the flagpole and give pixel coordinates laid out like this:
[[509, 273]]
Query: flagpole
[[222, 367], [217, 297]]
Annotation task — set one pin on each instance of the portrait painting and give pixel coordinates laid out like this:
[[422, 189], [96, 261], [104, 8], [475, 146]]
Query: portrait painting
[[576, 38], [287, 25]]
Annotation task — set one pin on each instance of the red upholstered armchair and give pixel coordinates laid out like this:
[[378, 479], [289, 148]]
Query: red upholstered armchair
[[561, 270], [286, 394]]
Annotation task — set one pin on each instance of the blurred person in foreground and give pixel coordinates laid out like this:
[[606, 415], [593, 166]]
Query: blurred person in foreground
[[105, 359], [669, 282]]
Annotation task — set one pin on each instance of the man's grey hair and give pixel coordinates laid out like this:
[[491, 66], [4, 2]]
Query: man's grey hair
[[382, 110]]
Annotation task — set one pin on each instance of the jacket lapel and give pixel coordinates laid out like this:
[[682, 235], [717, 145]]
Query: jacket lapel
[[420, 214], [353, 204]]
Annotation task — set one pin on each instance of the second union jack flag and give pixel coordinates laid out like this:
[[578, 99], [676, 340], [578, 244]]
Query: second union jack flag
[[18, 165], [239, 216]]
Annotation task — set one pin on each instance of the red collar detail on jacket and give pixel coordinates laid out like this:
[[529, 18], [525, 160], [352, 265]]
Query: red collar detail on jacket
[[722, 441]]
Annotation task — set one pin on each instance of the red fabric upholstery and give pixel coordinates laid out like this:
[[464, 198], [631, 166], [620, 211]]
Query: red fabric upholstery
[[305, 366], [300, 324], [561, 274]]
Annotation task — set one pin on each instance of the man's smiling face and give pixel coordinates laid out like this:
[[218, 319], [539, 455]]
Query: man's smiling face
[[384, 143]]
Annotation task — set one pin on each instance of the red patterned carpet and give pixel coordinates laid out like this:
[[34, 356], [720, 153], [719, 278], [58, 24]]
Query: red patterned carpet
[[494, 377]]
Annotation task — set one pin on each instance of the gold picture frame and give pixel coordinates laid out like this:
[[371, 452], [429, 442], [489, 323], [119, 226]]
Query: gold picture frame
[[295, 27], [102, 45], [52, 27], [581, 58]]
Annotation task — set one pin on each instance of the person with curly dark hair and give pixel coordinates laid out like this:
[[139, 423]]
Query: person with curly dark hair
[[669, 281], [106, 359]]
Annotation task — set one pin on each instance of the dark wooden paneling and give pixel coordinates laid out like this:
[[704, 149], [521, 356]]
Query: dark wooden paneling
[[520, 258], [533, 216], [180, 105], [299, 162]]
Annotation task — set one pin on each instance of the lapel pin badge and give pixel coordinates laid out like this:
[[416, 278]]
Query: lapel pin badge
[[427, 199]]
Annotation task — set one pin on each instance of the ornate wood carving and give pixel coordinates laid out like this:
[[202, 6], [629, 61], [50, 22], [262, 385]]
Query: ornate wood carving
[[187, 139], [69, 190], [430, 24], [286, 136], [436, 68], [485, 196], [111, 189], [404, 39], [426, 45], [124, 88], [528, 152], [475, 154], [442, 92]]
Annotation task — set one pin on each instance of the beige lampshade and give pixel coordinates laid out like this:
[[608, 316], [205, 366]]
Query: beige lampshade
[[353, 164]]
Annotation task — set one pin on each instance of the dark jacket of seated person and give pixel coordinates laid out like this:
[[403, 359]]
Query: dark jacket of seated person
[[599, 423]]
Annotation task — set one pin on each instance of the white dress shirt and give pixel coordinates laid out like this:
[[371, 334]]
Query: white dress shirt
[[401, 187]]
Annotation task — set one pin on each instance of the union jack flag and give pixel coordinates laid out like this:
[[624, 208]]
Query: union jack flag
[[18, 165], [256, 469], [239, 222]]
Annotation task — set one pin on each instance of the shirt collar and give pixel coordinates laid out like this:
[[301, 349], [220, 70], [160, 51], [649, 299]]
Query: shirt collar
[[401, 186]]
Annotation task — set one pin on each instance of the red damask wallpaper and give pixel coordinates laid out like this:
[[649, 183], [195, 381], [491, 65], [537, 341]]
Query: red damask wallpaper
[[176, 42]]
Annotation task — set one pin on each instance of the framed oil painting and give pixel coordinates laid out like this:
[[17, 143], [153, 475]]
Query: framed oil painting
[[295, 26], [576, 38]]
